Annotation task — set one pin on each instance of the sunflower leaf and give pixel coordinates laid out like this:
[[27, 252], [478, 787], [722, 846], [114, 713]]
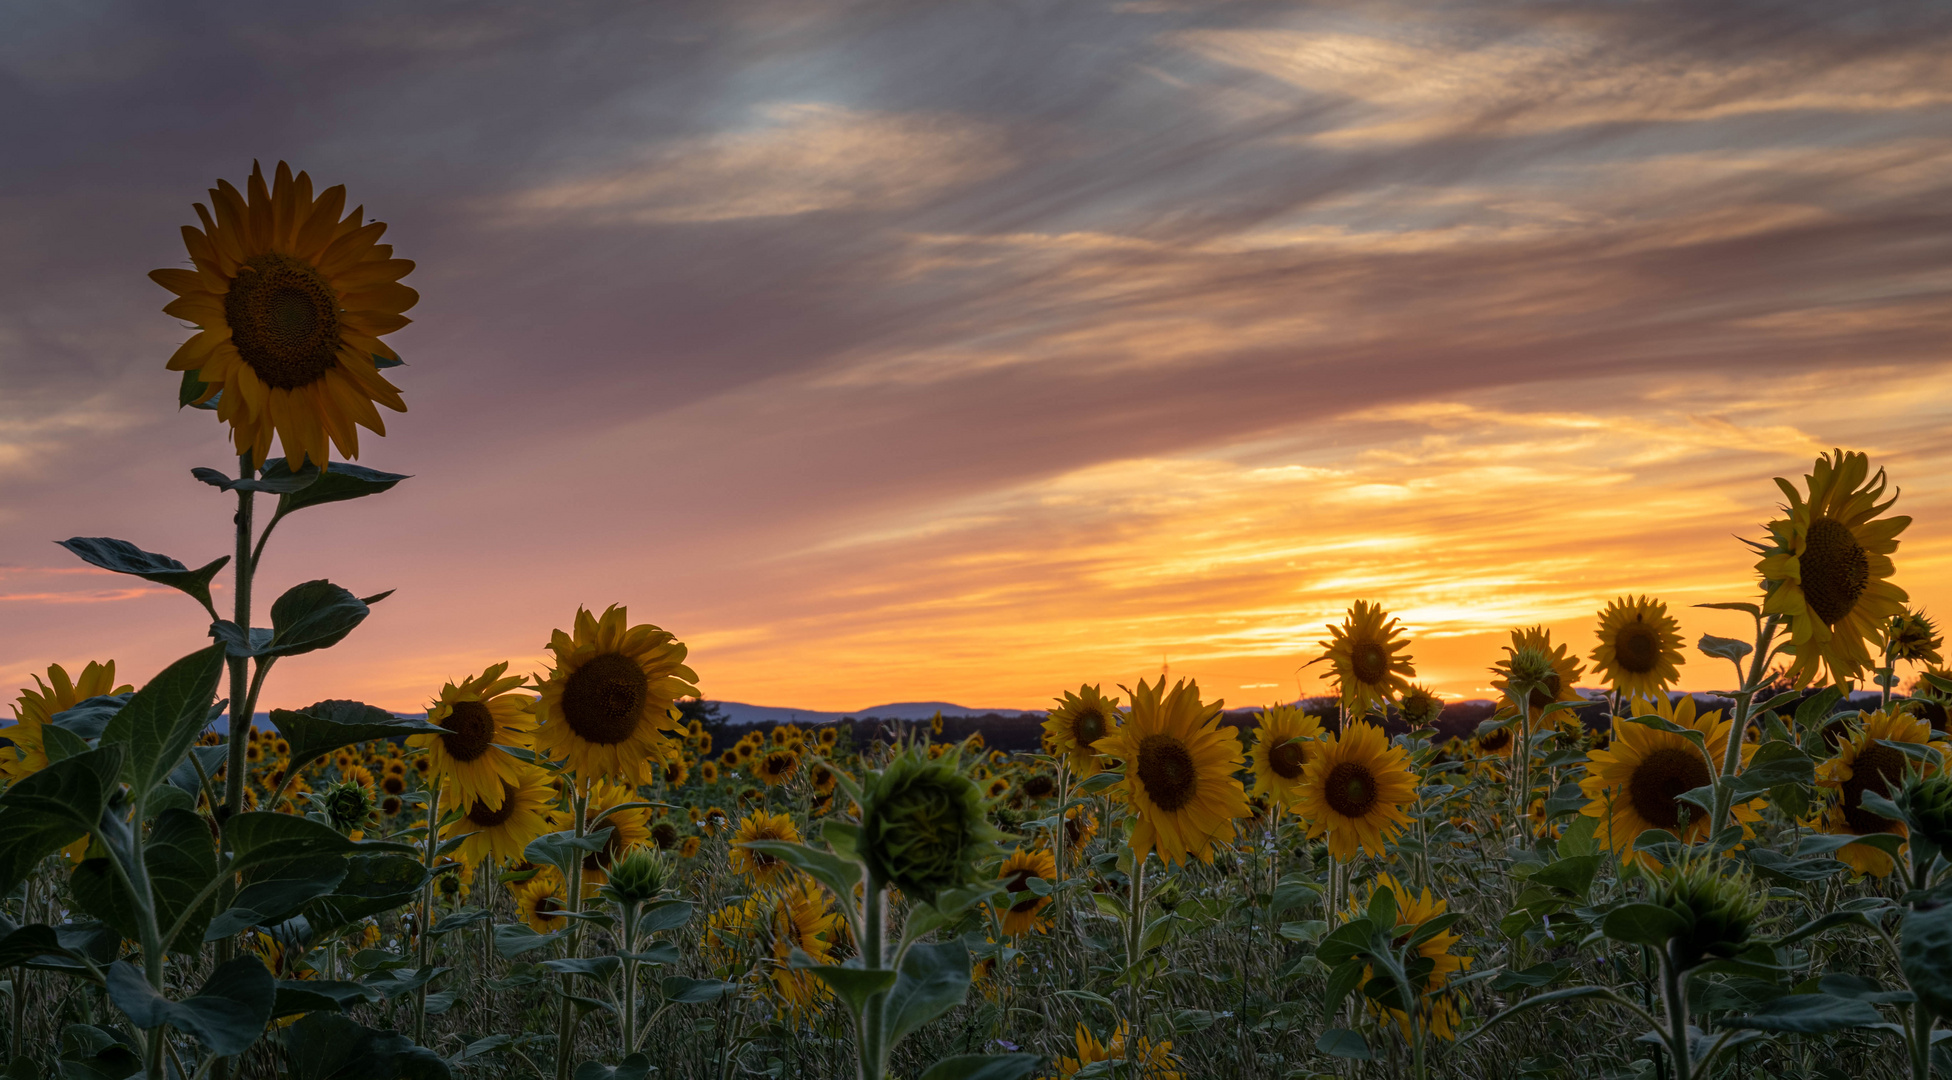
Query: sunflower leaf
[[326, 726], [1735, 606], [339, 482], [126, 558], [270, 482], [1725, 648], [191, 388], [312, 615]]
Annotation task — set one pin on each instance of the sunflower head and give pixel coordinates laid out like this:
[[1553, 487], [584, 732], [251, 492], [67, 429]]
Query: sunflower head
[[1421, 707], [349, 805], [1640, 646], [1079, 723], [764, 868], [290, 300], [924, 825], [1283, 738], [1536, 672], [1912, 637], [776, 766], [612, 692], [1717, 910], [1363, 653], [1355, 789], [1024, 909], [640, 876], [1179, 764], [1828, 565]]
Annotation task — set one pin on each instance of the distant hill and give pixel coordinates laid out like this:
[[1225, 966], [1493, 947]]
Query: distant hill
[[738, 712]]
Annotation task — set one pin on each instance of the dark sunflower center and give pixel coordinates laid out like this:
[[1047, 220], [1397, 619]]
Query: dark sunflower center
[[1371, 662], [1660, 779], [1039, 786], [1350, 789], [486, 818], [1019, 882], [470, 731], [547, 906], [284, 320], [604, 699], [1287, 759], [1637, 648], [1073, 830], [1546, 692], [1088, 728], [1876, 768], [779, 764], [1167, 771], [1497, 740], [664, 835], [1836, 569]]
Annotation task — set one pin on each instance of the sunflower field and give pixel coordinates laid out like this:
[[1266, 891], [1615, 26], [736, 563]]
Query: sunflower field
[[567, 874]]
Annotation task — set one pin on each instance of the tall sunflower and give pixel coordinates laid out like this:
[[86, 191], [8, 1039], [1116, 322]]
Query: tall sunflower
[[290, 300], [764, 869], [524, 810], [1025, 911], [1640, 647], [1862, 763], [481, 717], [1283, 739], [1179, 772], [1828, 567], [611, 691], [1362, 650], [1636, 782], [36, 708], [1079, 723], [1354, 789], [1437, 1011], [1531, 658]]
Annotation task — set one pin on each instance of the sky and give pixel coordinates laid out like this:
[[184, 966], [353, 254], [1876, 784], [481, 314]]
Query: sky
[[974, 351]]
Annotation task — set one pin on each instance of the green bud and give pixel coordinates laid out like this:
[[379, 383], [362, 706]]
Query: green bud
[[1718, 910], [924, 825], [1930, 803], [348, 806], [640, 876]]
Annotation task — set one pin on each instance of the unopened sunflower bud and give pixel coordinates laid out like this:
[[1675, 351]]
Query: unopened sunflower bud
[[1718, 911], [348, 806], [1930, 803], [640, 876], [923, 824]]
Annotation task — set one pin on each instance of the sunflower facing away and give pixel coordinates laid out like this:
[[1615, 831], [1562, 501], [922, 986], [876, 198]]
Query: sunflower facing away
[[1354, 789], [1283, 739], [524, 811], [290, 300], [480, 716], [1437, 1011], [1532, 659], [35, 708], [1179, 772], [1025, 913], [1828, 567], [610, 693], [1640, 647], [1368, 673], [1636, 782], [1078, 724], [1862, 764], [765, 870]]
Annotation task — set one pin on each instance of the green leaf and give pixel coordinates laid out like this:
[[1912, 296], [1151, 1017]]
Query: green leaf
[[634, 1067], [1536, 1000], [297, 996], [459, 920], [1825, 922], [182, 859], [89, 1053], [595, 967], [1925, 956], [21, 944], [853, 985], [161, 720], [60, 744], [983, 1067], [1774, 764], [312, 615], [276, 480], [90, 716], [1291, 892], [1643, 924], [1573, 874], [1815, 710], [839, 875], [1343, 1043], [1342, 981], [126, 558], [341, 481], [1778, 867], [227, 1015], [1349, 940], [399, 982], [514, 939], [934, 979], [1808, 1014], [320, 729], [1858, 988], [188, 393], [275, 899], [664, 915], [326, 1046], [682, 991], [45, 812], [1725, 648], [262, 838], [565, 849], [373, 884], [1734, 606]]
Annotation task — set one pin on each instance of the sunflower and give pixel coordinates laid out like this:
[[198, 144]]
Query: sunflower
[[628, 828], [524, 811], [765, 929], [1025, 913], [1075, 728], [1532, 659], [539, 901], [776, 767], [765, 870], [1863, 764], [36, 708], [290, 301], [1635, 783], [1493, 744], [1828, 567], [1368, 673], [676, 771], [1640, 647], [1438, 1011], [1282, 739], [708, 772], [1913, 637], [481, 717], [1179, 775], [821, 776], [1354, 790], [1080, 827], [612, 689], [1145, 1060]]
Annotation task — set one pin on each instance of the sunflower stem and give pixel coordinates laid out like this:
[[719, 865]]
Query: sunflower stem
[[1765, 632], [566, 1018], [427, 910], [1134, 932], [873, 1056]]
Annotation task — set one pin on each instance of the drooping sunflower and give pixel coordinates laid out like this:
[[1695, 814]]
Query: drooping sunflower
[[1437, 1011], [1640, 647], [290, 300], [36, 708], [1531, 659], [1636, 782], [1828, 567], [776, 766], [1354, 788], [481, 717], [1079, 723], [1283, 739], [1362, 651], [539, 901], [1024, 915], [1145, 1059], [1912, 637], [628, 828], [1863, 764], [1179, 772], [611, 692], [764, 869]]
